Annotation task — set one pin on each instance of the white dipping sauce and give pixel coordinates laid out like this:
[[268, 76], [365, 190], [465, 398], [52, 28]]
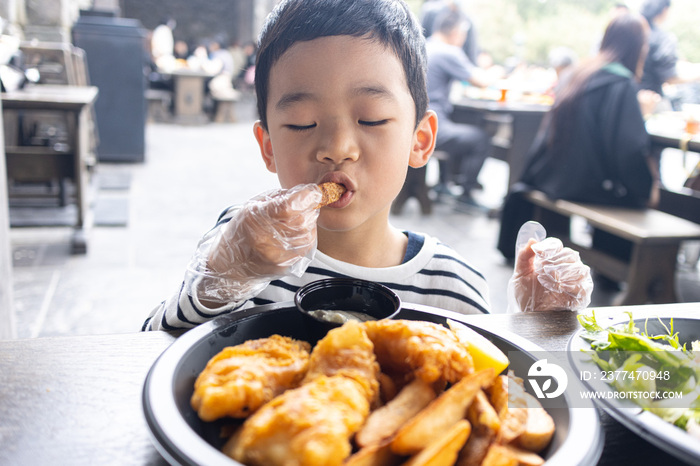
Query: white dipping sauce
[[340, 317]]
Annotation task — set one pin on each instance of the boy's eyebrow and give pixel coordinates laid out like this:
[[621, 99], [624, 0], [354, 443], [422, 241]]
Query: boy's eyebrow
[[289, 99], [377, 91]]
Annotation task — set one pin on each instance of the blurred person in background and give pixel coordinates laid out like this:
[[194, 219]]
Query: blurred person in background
[[238, 56], [563, 60], [162, 58], [662, 65], [593, 146], [246, 75], [467, 145], [163, 44], [181, 50], [221, 86], [433, 9], [219, 53]]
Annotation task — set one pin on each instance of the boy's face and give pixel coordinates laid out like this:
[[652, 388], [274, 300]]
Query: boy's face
[[339, 109]]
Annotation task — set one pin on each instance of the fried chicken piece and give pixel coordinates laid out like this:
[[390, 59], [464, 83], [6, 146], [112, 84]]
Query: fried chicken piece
[[347, 351], [240, 379], [331, 193], [419, 349], [313, 424], [310, 425]]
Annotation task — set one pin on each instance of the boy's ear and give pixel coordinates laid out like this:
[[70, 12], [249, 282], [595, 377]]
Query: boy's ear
[[263, 138], [424, 140]]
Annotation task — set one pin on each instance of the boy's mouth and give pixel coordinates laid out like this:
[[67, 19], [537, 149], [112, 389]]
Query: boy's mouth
[[342, 184], [332, 192]]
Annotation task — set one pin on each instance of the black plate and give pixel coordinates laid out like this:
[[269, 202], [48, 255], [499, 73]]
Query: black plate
[[183, 439], [650, 427]]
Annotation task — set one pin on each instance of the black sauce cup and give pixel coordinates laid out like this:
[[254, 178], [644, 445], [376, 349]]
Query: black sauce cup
[[344, 294]]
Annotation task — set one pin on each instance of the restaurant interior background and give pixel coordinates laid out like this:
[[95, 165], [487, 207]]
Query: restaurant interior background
[[534, 27]]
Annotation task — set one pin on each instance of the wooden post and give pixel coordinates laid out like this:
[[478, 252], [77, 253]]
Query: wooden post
[[7, 310]]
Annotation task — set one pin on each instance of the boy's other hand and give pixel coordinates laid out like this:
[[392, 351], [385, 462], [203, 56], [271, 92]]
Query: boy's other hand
[[548, 276]]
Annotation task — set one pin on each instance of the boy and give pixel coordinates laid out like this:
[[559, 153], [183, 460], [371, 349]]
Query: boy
[[342, 98]]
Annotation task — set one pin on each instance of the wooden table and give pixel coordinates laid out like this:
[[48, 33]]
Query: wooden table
[[668, 130], [189, 86], [524, 120], [75, 102], [77, 400]]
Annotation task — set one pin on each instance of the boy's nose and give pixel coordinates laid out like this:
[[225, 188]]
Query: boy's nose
[[340, 145]]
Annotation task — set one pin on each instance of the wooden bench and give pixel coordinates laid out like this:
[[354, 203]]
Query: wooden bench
[[655, 236], [159, 102], [225, 109]]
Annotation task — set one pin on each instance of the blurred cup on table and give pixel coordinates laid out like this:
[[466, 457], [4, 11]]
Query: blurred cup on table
[[691, 114]]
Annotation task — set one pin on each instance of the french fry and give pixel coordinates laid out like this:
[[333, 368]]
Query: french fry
[[498, 395], [476, 448], [377, 454], [539, 427], [506, 455], [509, 402], [482, 414], [388, 388], [441, 414], [444, 451], [512, 425], [385, 421]]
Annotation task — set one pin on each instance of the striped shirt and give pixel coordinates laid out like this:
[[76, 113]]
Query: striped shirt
[[435, 276]]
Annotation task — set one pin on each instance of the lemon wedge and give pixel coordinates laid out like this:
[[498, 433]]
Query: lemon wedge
[[484, 353]]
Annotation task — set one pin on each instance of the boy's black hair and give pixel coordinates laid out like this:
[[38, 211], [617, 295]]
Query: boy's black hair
[[388, 22]]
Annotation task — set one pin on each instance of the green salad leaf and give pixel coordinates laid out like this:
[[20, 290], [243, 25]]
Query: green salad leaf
[[626, 348]]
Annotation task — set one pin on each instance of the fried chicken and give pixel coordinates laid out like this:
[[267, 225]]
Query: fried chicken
[[419, 349], [313, 424], [346, 351], [240, 379], [331, 192], [310, 425]]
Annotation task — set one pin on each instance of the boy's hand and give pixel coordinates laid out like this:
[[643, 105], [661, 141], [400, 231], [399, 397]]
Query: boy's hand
[[272, 235], [548, 276]]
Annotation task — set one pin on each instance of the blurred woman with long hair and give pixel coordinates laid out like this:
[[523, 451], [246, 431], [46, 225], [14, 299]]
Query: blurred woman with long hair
[[593, 146]]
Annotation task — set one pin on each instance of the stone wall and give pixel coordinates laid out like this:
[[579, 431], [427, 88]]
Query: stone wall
[[197, 20], [43, 20]]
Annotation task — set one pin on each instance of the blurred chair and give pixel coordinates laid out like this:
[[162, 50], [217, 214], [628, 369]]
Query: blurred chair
[[38, 141]]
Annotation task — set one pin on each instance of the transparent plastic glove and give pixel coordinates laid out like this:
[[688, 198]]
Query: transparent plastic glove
[[547, 276], [270, 236]]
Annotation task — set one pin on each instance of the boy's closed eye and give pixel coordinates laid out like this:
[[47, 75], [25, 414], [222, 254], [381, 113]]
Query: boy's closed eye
[[373, 122], [360, 122], [300, 127]]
